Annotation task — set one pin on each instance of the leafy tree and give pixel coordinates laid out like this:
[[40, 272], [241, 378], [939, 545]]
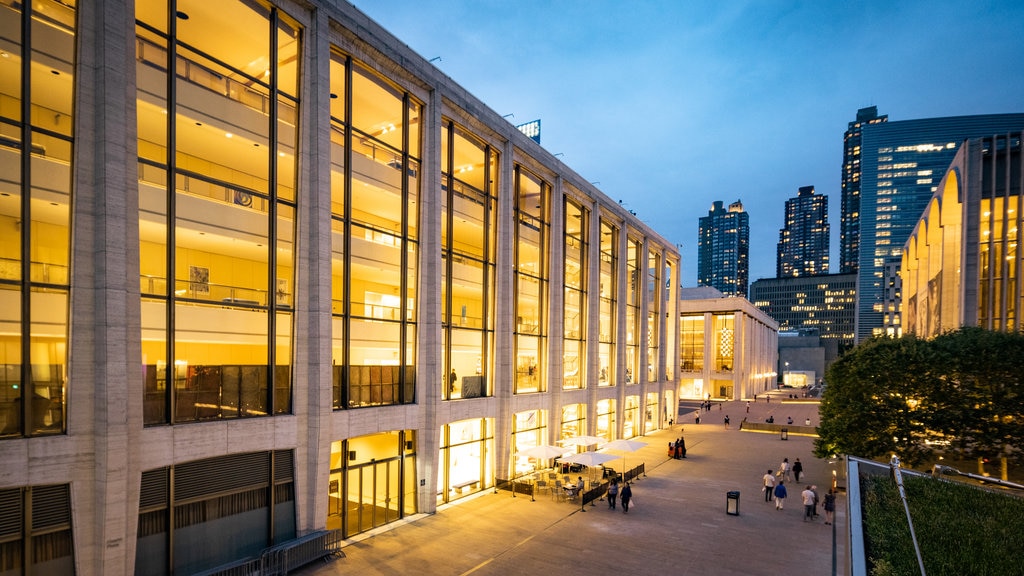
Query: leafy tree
[[873, 406], [891, 395], [980, 406]]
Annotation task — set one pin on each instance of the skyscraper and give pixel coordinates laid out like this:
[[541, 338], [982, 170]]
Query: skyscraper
[[849, 231], [803, 241], [901, 165], [723, 249]]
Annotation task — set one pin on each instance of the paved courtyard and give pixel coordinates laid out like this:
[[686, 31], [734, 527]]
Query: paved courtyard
[[677, 525]]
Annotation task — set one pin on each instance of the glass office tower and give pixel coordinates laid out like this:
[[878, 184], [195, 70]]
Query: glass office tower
[[849, 232], [723, 249], [804, 239], [901, 165]]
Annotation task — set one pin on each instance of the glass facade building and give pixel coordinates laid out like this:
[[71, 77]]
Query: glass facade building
[[824, 303], [849, 232], [901, 165], [723, 249], [804, 238], [266, 271]]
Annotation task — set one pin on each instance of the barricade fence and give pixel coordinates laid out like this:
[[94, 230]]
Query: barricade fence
[[285, 557]]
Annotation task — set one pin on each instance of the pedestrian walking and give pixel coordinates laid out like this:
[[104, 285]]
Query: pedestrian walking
[[830, 505], [613, 492], [748, 407], [696, 417], [768, 485], [814, 511], [726, 420], [780, 494], [808, 497], [626, 495], [682, 447], [797, 469], [784, 469]]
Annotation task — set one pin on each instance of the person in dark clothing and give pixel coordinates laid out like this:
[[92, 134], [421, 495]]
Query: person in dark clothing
[[626, 495], [682, 447], [797, 469]]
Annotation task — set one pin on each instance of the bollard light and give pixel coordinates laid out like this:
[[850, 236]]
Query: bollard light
[[732, 503]]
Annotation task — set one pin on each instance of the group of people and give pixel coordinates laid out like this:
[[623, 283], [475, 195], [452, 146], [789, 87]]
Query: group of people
[[774, 488], [677, 449], [624, 495]]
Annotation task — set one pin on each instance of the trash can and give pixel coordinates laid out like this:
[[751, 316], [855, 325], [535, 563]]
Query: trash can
[[732, 503], [784, 435]]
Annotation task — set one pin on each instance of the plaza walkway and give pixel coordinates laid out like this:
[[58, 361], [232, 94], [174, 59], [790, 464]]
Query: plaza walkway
[[677, 526]]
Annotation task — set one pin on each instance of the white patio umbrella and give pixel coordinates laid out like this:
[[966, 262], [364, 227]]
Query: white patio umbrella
[[589, 459], [624, 446], [544, 451], [582, 440]]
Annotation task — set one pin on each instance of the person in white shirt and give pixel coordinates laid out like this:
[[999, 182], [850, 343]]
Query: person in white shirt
[[809, 497], [768, 480]]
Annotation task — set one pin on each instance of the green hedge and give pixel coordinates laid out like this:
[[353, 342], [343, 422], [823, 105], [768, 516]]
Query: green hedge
[[960, 529]]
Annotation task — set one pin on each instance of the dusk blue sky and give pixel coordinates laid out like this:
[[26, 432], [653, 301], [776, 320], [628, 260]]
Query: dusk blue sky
[[672, 105]]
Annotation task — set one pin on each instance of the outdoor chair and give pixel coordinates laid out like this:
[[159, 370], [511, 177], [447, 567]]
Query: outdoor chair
[[542, 486], [558, 492]]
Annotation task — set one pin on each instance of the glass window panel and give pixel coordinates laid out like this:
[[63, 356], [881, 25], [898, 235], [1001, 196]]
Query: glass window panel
[[53, 56], [466, 377], [288, 52], [376, 108], [49, 242], [469, 221], [412, 281], [10, 67], [375, 271], [574, 314], [287, 144], [153, 13], [467, 290], [284, 289], [606, 364], [220, 368], [414, 129], [234, 31], [377, 187], [338, 86], [221, 252], [528, 364], [374, 366], [528, 312], [411, 203], [10, 362], [283, 363], [151, 94], [154, 361], [573, 365], [337, 169], [48, 350]]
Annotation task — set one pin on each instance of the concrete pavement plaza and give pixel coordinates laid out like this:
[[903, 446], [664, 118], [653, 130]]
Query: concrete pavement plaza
[[677, 525]]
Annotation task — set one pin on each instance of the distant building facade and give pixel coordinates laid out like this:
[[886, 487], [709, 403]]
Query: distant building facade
[[728, 348], [723, 249], [804, 239], [901, 165], [823, 303], [962, 264], [849, 231]]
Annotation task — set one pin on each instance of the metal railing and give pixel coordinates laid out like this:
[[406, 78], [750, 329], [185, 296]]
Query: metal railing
[[284, 557]]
